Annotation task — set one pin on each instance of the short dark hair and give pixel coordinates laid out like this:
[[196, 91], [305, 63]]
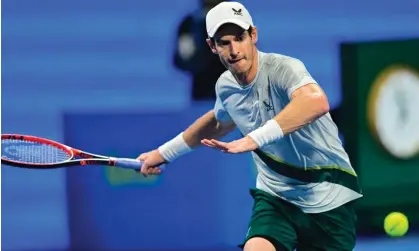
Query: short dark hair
[[248, 30]]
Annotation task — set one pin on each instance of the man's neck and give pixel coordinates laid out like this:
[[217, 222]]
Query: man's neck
[[247, 77]]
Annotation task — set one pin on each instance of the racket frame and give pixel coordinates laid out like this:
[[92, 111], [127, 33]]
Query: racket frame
[[86, 158]]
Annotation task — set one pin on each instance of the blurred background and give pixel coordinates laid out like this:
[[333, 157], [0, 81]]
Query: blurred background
[[122, 77]]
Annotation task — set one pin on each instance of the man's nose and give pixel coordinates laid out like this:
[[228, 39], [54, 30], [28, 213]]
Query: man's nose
[[234, 52]]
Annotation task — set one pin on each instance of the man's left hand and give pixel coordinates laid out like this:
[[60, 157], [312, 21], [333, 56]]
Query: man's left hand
[[242, 145]]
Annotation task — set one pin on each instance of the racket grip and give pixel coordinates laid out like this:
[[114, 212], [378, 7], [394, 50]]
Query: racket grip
[[131, 163]]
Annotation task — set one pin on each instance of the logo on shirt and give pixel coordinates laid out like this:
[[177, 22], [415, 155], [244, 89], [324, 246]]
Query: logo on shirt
[[268, 105], [237, 12]]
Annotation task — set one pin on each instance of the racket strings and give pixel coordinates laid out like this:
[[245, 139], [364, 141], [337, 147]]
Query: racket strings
[[32, 152]]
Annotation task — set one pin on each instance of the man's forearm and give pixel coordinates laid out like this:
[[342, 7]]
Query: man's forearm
[[205, 127], [302, 111]]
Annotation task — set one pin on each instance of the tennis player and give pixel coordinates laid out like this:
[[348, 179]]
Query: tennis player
[[305, 184]]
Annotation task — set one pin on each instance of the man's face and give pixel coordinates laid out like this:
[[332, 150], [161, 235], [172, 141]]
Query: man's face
[[235, 47]]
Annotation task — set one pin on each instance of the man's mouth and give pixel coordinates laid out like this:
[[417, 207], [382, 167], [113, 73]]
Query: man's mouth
[[230, 61]]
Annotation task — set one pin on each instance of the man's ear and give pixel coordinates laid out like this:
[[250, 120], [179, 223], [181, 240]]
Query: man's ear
[[254, 35], [212, 46]]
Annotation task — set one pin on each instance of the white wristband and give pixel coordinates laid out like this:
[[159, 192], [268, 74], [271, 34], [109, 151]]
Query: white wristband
[[268, 133], [174, 148]]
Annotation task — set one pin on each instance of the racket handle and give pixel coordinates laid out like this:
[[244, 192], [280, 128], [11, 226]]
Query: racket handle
[[131, 163]]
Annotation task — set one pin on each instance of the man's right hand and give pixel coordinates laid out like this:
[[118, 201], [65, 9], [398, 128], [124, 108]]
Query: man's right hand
[[151, 162]]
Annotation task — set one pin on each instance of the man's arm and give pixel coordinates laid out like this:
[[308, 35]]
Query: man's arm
[[307, 104], [206, 126]]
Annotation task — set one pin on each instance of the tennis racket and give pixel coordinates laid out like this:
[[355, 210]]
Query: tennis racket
[[40, 153]]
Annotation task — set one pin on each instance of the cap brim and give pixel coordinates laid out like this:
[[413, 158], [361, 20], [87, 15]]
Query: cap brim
[[240, 23]]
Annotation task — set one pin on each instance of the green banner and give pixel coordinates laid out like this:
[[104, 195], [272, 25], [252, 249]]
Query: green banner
[[380, 125]]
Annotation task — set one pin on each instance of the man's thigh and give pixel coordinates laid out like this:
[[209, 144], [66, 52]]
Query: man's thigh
[[270, 223], [259, 244], [329, 231]]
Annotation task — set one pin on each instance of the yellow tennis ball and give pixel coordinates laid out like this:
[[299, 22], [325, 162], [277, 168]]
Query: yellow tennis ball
[[396, 224]]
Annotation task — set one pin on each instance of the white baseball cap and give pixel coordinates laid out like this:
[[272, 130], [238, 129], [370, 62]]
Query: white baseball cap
[[227, 12]]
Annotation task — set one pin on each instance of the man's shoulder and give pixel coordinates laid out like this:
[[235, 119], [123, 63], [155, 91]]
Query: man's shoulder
[[226, 79], [276, 61]]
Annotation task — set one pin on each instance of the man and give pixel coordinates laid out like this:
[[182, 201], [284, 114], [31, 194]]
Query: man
[[305, 182]]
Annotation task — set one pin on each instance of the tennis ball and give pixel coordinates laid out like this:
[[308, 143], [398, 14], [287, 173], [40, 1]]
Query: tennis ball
[[396, 224]]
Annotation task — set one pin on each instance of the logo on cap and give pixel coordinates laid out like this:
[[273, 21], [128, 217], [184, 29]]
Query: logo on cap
[[237, 12]]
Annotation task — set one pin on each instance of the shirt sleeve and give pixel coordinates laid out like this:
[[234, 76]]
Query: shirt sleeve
[[292, 74], [220, 113]]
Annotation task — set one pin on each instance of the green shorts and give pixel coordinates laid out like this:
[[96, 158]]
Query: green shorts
[[287, 227]]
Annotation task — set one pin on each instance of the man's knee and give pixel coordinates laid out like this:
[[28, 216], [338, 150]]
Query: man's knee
[[259, 244]]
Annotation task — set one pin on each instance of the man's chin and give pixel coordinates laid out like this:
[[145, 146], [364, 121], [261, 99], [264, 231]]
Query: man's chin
[[238, 70]]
